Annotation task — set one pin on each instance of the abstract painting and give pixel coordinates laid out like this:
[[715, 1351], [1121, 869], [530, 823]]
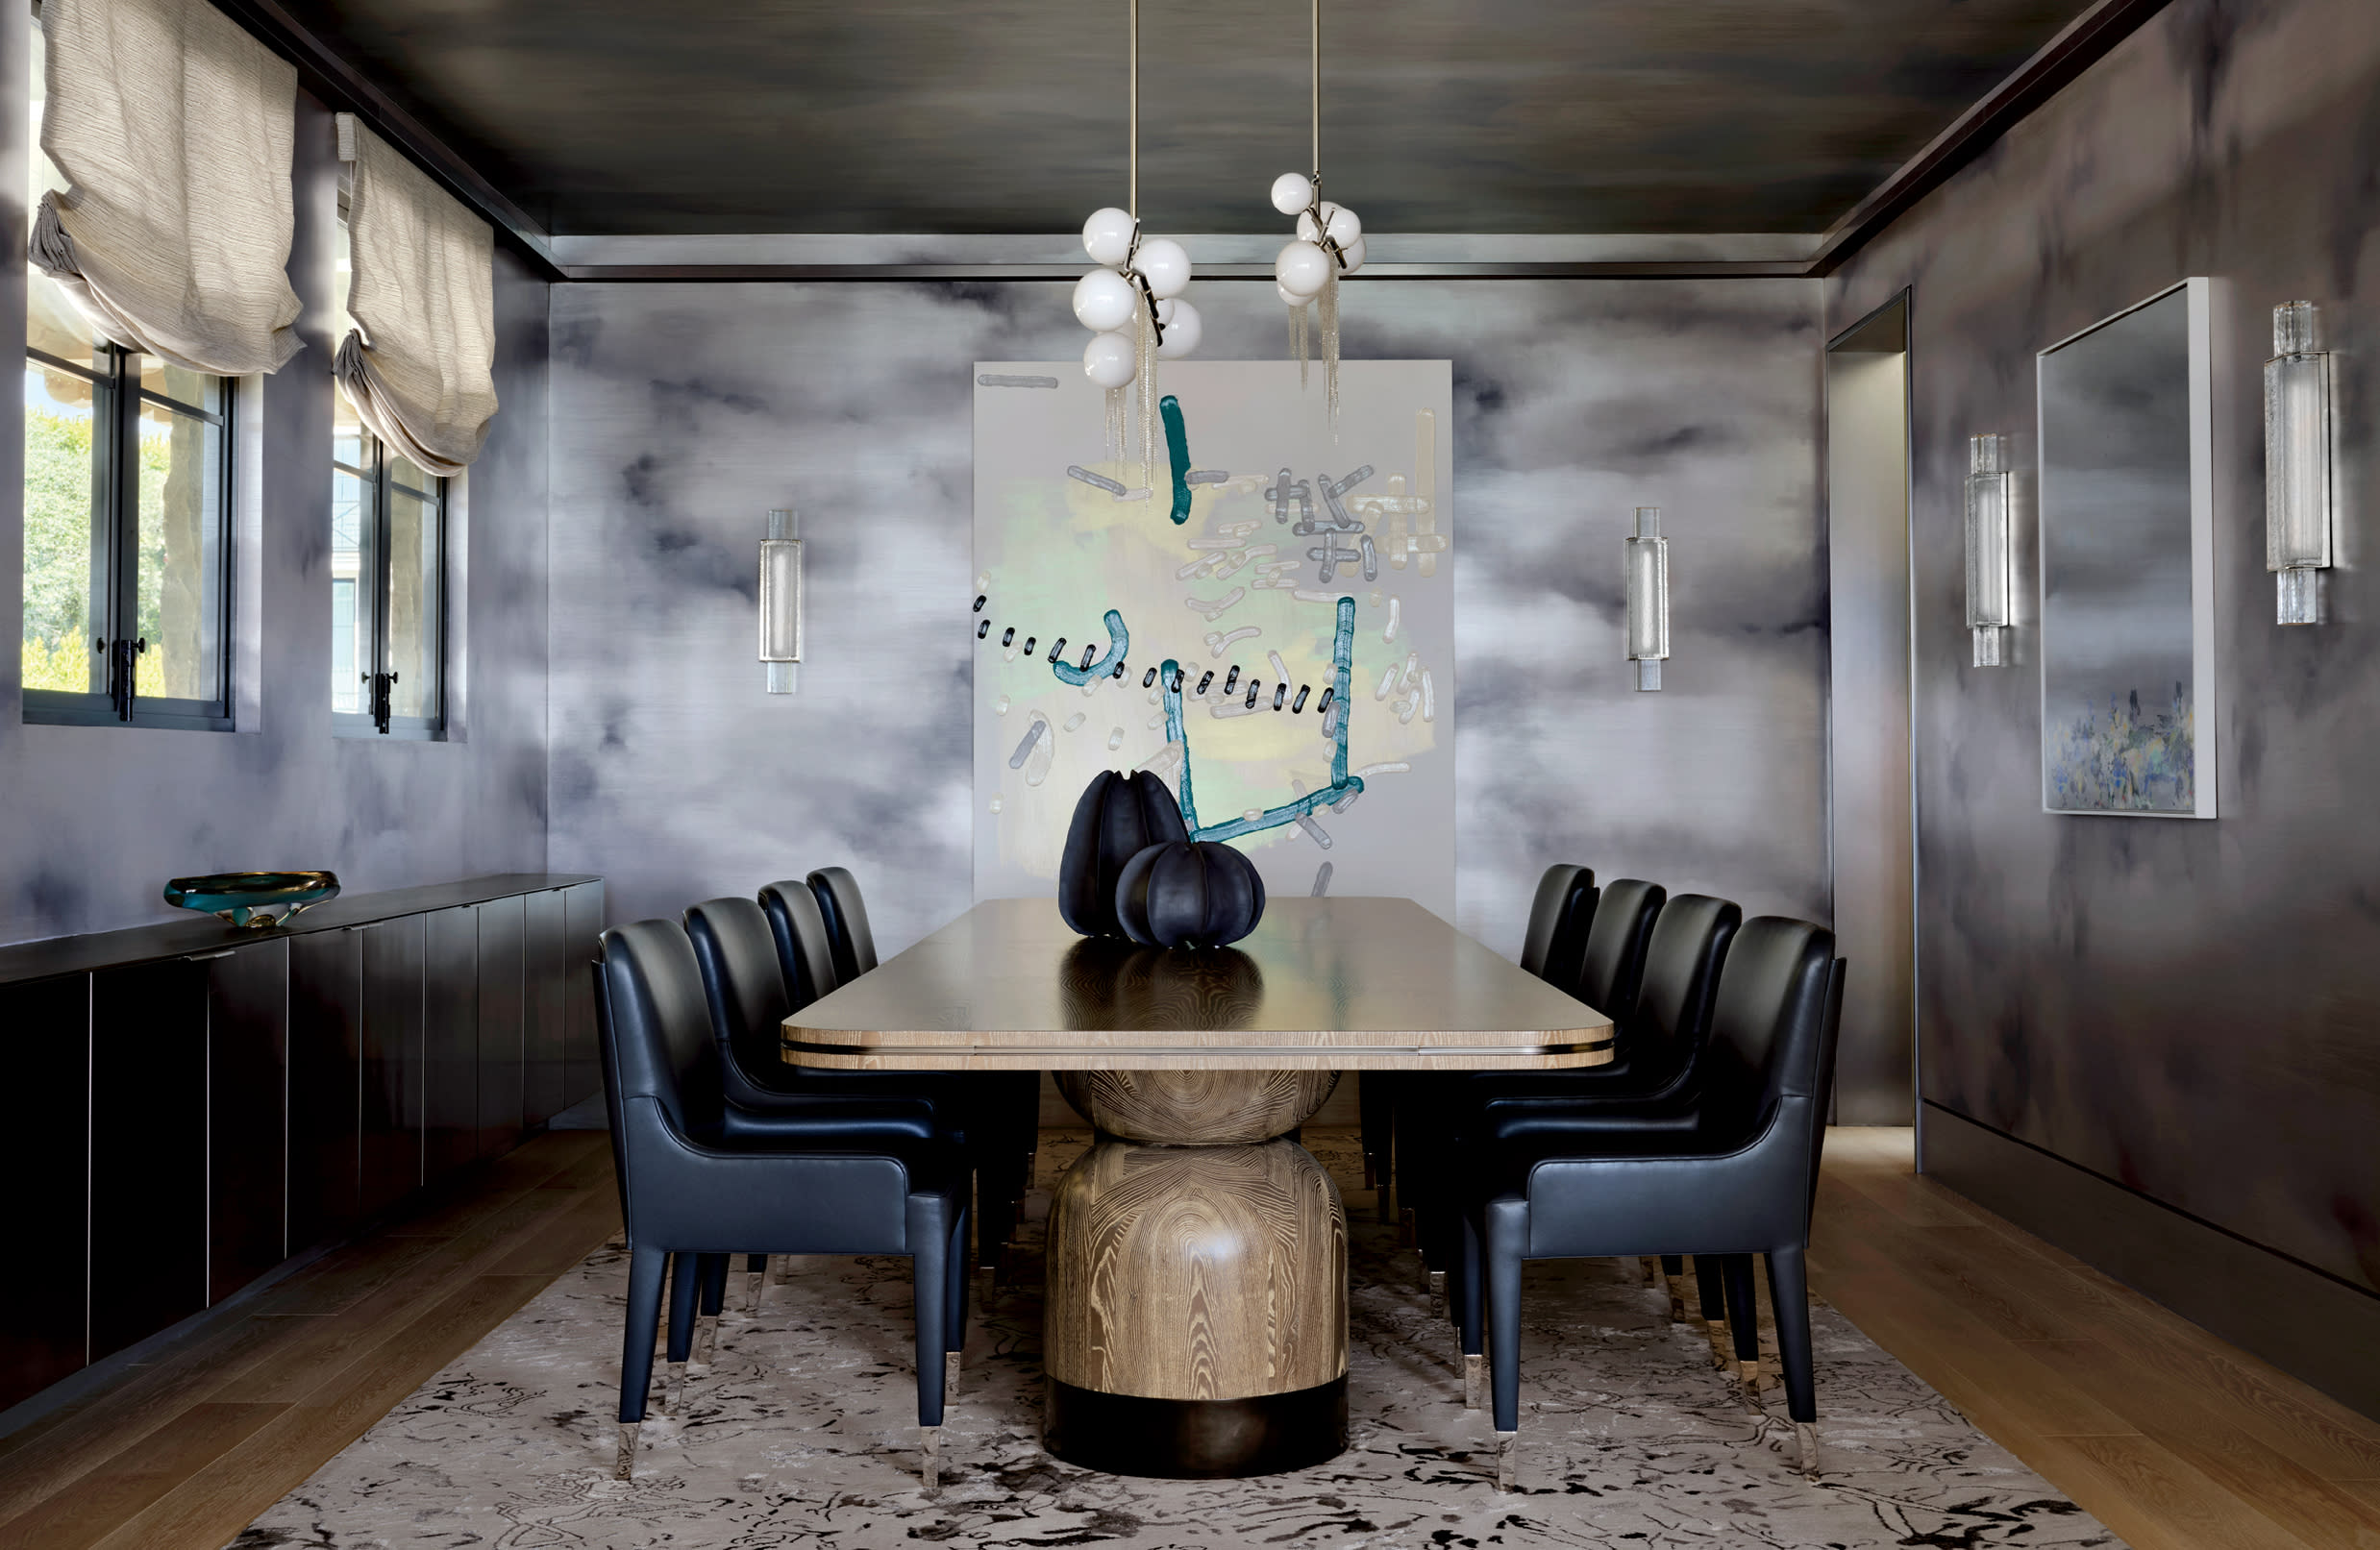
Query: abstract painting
[[1261, 613], [2126, 562]]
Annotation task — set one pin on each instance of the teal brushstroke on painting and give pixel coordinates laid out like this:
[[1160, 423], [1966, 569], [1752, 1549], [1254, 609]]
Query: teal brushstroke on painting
[[1119, 641], [1178, 448], [1342, 784]]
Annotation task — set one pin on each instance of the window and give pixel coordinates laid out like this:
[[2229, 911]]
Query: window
[[127, 518], [388, 578]]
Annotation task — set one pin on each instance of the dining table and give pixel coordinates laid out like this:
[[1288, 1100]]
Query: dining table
[[1195, 1295]]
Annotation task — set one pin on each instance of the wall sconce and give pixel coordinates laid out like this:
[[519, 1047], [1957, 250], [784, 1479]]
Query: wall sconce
[[1649, 598], [2298, 459], [780, 600], [1990, 566]]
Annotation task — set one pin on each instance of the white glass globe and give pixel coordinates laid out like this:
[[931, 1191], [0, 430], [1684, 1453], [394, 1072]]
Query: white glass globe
[[1107, 236], [1165, 310], [1182, 330], [1107, 359], [1165, 266], [1291, 192], [1303, 269], [1290, 296], [1351, 256], [1309, 230], [1103, 300], [1342, 224]]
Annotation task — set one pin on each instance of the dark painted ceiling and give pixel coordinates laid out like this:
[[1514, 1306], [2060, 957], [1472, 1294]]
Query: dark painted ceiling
[[624, 116]]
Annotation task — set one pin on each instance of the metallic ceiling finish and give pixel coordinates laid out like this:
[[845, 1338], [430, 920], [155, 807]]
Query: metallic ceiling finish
[[2186, 1008], [608, 116]]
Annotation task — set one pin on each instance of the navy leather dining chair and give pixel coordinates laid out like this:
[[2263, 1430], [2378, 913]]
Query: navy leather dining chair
[[1733, 1175], [695, 1190], [1007, 1106]]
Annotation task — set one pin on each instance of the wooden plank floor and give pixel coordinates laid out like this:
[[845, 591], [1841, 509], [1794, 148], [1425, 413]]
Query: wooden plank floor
[[2170, 1436], [2167, 1435]]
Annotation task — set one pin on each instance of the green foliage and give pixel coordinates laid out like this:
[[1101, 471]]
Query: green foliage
[[60, 551]]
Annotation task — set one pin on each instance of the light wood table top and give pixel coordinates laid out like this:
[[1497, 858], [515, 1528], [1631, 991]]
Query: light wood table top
[[1322, 984]]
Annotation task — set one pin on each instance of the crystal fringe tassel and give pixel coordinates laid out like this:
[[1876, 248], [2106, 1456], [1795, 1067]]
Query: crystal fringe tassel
[[1329, 310]]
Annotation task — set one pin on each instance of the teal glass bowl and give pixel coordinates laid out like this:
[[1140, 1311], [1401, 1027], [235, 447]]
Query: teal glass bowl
[[249, 898]]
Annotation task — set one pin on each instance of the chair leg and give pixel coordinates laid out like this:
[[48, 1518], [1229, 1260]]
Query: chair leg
[[1506, 1238], [931, 1270], [1673, 1276], [1710, 1284], [1470, 1324], [1743, 1321], [955, 1310], [1789, 1295], [713, 1293], [684, 1281], [756, 1276], [647, 1268]]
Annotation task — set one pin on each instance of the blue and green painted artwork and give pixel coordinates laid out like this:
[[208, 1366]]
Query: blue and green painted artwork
[[2127, 760]]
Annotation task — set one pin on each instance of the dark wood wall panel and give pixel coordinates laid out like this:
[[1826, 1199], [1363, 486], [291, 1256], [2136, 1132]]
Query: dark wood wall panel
[[582, 904], [503, 929], [247, 1076], [546, 1014], [148, 1150], [450, 1038], [45, 1148], [325, 1033], [393, 1062]]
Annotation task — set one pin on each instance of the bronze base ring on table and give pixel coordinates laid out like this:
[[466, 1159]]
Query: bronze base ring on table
[[1195, 1439]]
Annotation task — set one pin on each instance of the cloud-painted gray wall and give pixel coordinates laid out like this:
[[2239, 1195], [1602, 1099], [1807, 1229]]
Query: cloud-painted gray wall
[[682, 411], [96, 818], [2187, 1008]]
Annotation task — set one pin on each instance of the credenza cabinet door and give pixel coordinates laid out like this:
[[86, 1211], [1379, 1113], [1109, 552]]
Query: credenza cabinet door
[[504, 931], [583, 906], [247, 1113], [326, 1050], [545, 1017], [390, 1131], [450, 1036], [148, 1149], [45, 1147]]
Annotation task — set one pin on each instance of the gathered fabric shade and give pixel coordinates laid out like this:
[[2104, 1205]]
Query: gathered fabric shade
[[417, 367], [174, 129]]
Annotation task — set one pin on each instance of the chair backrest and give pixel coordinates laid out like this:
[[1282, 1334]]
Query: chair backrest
[[1682, 976], [655, 1028], [837, 893], [804, 953], [1613, 963], [743, 985], [1780, 996], [1558, 916]]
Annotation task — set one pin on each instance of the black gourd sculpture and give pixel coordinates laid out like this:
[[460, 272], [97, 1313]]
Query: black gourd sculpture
[[1186, 894], [1115, 820]]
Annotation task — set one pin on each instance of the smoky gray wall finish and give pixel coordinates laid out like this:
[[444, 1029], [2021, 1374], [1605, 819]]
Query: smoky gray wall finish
[[2191, 1009], [683, 412], [98, 817]]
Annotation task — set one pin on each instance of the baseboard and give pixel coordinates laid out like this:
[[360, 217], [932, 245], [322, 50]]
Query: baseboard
[[2312, 1326]]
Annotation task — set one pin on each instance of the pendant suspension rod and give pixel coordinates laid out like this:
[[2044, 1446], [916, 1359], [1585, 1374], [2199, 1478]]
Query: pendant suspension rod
[[1314, 97], [1132, 196]]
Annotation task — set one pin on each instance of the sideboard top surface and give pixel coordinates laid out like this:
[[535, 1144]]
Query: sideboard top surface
[[196, 933]]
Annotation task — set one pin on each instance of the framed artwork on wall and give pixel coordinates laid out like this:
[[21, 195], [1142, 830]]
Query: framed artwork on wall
[[2127, 561]]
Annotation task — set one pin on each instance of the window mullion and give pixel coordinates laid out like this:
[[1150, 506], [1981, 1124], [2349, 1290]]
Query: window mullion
[[382, 582], [123, 515]]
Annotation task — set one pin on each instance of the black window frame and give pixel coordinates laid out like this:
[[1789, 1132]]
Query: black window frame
[[116, 400], [375, 579]]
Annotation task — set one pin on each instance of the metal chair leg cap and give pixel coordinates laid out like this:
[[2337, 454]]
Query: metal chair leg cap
[[1475, 1381], [930, 1457], [623, 1464], [950, 1375], [1805, 1444], [1507, 1467], [754, 1280], [674, 1390], [705, 1340]]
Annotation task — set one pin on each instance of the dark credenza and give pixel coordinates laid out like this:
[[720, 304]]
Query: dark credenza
[[198, 1103]]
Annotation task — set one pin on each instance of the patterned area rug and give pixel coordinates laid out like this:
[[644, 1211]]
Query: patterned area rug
[[802, 1434]]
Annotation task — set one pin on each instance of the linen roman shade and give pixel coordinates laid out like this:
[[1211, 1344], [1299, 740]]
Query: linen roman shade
[[418, 366], [174, 129]]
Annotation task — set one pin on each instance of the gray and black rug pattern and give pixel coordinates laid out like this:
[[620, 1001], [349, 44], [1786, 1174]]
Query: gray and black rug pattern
[[801, 1434]]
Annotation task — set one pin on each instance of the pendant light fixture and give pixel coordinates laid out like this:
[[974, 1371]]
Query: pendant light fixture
[[1330, 240], [1132, 302]]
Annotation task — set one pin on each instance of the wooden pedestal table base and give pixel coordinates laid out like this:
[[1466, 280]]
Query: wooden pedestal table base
[[1195, 1322]]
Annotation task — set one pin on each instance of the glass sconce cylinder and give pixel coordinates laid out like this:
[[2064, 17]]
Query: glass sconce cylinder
[[1649, 598], [1991, 570], [780, 601], [2297, 463]]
